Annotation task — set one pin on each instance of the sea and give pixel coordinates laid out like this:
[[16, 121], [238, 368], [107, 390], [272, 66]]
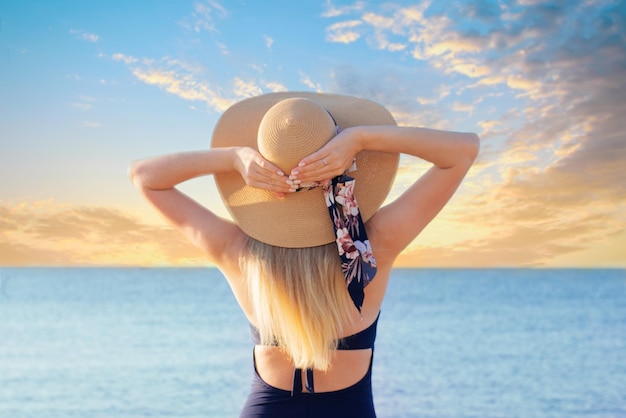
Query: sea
[[171, 342]]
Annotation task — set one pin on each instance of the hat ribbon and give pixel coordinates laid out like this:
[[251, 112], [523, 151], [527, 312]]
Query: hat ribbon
[[357, 260]]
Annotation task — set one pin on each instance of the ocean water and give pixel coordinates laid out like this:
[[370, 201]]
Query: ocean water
[[116, 343]]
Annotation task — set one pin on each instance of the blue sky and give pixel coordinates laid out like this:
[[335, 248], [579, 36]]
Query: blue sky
[[86, 87]]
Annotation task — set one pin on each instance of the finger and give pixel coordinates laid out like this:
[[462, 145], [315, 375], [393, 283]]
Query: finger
[[316, 171], [314, 157], [271, 175], [314, 167], [262, 172], [273, 186], [271, 169]]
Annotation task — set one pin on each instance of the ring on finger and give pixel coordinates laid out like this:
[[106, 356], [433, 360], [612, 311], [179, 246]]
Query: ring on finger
[[324, 162]]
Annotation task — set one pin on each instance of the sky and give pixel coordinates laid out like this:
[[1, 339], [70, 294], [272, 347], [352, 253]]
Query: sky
[[88, 86]]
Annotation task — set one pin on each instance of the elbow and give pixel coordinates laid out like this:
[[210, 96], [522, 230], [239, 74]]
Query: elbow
[[131, 171], [473, 145], [468, 146], [136, 173]]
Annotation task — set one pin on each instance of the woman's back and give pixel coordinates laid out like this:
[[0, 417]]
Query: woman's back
[[347, 367]]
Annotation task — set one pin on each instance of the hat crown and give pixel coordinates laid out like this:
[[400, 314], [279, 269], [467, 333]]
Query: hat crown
[[292, 129]]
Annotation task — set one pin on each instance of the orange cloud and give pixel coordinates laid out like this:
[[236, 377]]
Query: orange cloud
[[55, 235], [344, 32]]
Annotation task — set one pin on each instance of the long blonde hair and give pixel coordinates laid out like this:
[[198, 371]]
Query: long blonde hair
[[299, 299]]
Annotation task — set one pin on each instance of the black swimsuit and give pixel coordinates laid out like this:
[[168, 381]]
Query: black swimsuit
[[354, 401]]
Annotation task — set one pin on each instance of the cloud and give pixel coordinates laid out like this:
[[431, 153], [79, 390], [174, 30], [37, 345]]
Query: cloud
[[178, 78], [223, 48], [246, 88], [191, 81], [203, 16], [46, 233], [126, 59], [462, 107], [307, 81], [383, 27], [336, 11], [275, 86], [90, 37], [188, 82], [399, 89], [550, 179], [81, 106], [344, 32]]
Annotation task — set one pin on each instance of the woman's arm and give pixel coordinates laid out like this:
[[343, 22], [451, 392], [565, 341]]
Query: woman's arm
[[157, 177], [397, 224], [166, 171]]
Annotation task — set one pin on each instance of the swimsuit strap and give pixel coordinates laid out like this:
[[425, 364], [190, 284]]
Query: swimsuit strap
[[361, 340], [297, 382]]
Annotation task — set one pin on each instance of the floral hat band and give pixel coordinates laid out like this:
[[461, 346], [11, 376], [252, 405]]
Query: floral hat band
[[357, 260]]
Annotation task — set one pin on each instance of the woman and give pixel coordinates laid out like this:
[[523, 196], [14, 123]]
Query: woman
[[309, 255]]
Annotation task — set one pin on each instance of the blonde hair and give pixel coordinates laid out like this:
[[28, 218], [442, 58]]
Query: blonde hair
[[299, 299]]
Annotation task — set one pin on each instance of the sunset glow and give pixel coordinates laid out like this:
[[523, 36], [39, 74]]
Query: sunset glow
[[86, 87]]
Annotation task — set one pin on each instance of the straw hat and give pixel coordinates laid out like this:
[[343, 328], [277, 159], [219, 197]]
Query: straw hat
[[284, 128]]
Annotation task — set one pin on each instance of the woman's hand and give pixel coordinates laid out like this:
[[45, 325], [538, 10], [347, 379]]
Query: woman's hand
[[260, 173], [331, 160]]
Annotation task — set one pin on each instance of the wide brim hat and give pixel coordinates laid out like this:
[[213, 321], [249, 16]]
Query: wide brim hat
[[272, 125]]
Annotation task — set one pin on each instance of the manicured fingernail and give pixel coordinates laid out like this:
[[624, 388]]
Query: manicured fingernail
[[301, 164], [280, 173]]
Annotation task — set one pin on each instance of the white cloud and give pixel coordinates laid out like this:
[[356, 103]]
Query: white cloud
[[126, 59], [462, 107], [275, 86], [335, 11], [246, 88], [203, 16], [90, 37], [179, 78], [81, 106], [223, 48], [188, 82], [307, 81], [344, 32]]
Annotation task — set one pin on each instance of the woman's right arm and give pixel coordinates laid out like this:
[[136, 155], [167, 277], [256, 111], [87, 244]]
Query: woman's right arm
[[397, 224], [157, 177]]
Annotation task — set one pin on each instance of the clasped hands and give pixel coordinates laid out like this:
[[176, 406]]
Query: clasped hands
[[332, 159]]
